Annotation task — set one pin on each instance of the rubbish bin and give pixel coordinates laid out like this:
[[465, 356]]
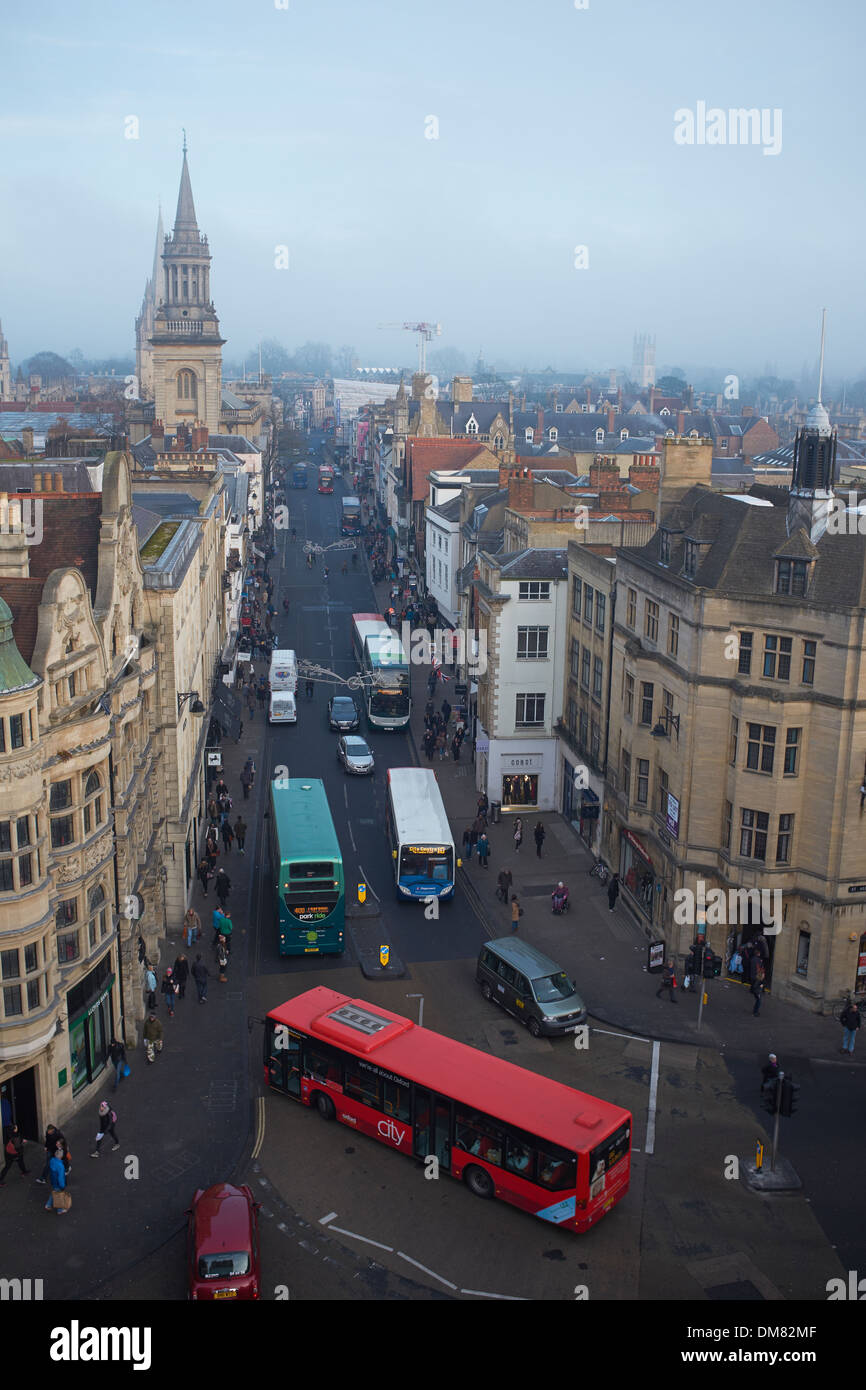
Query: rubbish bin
[[496, 812]]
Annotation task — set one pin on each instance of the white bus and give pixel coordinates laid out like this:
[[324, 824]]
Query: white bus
[[419, 835], [382, 660], [283, 708]]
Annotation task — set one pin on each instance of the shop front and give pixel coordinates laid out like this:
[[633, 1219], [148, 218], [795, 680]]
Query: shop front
[[637, 874], [90, 1012], [581, 805], [522, 781]]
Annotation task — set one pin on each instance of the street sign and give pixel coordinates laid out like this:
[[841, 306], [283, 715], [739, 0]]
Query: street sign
[[384, 955], [362, 892]]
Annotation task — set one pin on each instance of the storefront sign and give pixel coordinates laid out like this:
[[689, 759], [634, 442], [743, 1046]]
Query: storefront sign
[[482, 744], [672, 819], [214, 759], [656, 957], [636, 845], [523, 762], [857, 888]]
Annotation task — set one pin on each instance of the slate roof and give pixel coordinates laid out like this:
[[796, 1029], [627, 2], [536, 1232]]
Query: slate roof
[[238, 443], [449, 511], [740, 558], [532, 564], [23, 597], [145, 522], [20, 477], [165, 504], [233, 402], [70, 538]]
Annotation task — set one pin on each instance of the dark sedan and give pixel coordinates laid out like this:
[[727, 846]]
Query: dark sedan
[[343, 714]]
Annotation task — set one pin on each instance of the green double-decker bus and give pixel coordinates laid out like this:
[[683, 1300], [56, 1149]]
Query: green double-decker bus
[[306, 869]]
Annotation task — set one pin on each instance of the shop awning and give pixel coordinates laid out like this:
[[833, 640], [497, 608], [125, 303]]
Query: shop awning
[[589, 804], [637, 846]]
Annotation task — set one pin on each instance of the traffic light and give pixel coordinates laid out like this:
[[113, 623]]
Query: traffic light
[[770, 1096], [790, 1097]]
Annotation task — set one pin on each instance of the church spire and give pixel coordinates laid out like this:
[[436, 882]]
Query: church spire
[[156, 278], [814, 468], [185, 224]]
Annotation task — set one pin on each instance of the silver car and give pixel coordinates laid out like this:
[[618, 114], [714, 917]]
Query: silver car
[[354, 753]]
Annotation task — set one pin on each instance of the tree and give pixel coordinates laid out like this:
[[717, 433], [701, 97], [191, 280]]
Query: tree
[[314, 358], [49, 366], [275, 358], [672, 383], [345, 360]]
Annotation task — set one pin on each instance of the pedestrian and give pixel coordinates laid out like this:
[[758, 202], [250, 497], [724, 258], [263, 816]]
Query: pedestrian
[[191, 927], [504, 881], [221, 788], [117, 1056], [770, 1072], [613, 892], [225, 807], [227, 833], [240, 833], [516, 911], [200, 974], [431, 684], [446, 709], [756, 982], [483, 808], [467, 844], [152, 1037], [251, 706], [181, 975], [59, 1199], [212, 809], [669, 982], [539, 837], [483, 848], [850, 1020], [478, 825], [222, 959], [223, 886], [441, 743], [53, 1139], [429, 744], [246, 782], [13, 1151], [226, 930], [518, 834], [150, 986], [203, 872], [218, 917], [168, 990], [105, 1124], [455, 748]]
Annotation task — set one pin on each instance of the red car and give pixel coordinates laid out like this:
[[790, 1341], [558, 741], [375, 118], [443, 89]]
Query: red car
[[223, 1243]]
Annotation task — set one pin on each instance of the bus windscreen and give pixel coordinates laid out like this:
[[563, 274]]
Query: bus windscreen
[[434, 862]]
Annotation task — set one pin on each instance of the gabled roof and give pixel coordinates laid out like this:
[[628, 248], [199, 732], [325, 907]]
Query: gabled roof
[[798, 547], [448, 511], [533, 564], [425, 456]]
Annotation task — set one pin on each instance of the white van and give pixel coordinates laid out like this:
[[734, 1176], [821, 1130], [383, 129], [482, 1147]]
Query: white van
[[283, 707], [284, 670]]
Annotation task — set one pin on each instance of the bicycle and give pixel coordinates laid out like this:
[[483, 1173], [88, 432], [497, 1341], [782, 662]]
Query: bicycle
[[600, 871]]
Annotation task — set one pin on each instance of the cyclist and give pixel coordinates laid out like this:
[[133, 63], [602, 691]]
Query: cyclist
[[325, 572]]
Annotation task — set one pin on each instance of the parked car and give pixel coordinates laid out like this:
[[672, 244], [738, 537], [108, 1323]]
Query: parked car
[[530, 986], [343, 713], [223, 1243], [355, 755]]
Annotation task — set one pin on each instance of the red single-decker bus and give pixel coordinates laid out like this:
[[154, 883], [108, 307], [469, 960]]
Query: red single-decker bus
[[507, 1132]]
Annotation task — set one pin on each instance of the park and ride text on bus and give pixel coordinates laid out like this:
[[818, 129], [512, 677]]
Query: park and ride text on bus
[[350, 516], [382, 661], [326, 478], [419, 835], [541, 1146], [306, 869]]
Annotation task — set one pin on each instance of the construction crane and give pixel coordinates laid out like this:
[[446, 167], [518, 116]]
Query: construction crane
[[425, 332]]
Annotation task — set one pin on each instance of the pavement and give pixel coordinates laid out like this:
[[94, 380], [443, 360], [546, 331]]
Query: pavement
[[604, 952]]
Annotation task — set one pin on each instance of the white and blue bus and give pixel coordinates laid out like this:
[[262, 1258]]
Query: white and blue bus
[[419, 835], [384, 665]]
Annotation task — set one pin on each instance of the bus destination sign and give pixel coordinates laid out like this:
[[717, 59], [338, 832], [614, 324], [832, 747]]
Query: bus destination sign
[[426, 849], [309, 912]]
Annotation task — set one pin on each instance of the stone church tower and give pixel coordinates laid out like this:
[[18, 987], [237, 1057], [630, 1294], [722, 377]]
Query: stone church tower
[[5, 370], [186, 342], [145, 321]]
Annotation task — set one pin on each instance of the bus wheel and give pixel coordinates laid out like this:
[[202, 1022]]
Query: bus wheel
[[534, 1027], [486, 991], [325, 1106], [478, 1180]]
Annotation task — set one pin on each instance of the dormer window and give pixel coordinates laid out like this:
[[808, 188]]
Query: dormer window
[[599, 435], [690, 559], [669, 434], [792, 577], [529, 434], [623, 434], [665, 410], [664, 547], [557, 409], [693, 434], [472, 425], [553, 434]]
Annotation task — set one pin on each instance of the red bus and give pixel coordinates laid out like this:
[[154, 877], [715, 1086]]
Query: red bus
[[507, 1132], [326, 478]]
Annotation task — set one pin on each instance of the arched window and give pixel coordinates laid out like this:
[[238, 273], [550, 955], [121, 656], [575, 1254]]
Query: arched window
[[529, 434], [93, 802], [97, 913], [186, 386], [599, 435], [553, 434], [498, 442], [472, 426], [623, 434]]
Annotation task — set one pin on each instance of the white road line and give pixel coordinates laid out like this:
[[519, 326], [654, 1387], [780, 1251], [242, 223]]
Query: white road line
[[431, 1272], [632, 1037], [651, 1110], [354, 1236], [832, 1062], [260, 1126], [370, 887], [508, 1297], [323, 1220], [352, 838]]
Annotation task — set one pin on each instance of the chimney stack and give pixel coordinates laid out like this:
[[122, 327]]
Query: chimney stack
[[652, 400], [681, 422], [521, 490], [200, 436], [539, 431], [589, 395], [27, 439], [157, 436], [610, 418]]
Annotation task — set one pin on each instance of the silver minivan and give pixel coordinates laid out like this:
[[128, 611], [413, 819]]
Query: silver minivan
[[530, 986]]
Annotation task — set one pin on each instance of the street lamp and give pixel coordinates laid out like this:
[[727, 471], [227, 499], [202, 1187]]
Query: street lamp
[[667, 722], [196, 706]]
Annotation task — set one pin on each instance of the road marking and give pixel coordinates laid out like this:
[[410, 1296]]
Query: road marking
[[354, 1236], [260, 1127], [366, 880], [509, 1297], [431, 1272], [651, 1110], [632, 1037], [352, 838], [831, 1062]]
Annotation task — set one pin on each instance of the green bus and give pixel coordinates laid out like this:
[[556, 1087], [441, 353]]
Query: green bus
[[306, 869]]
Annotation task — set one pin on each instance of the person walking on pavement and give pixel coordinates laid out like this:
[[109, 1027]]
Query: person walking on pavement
[[191, 927], [850, 1020], [200, 974], [467, 845], [13, 1147], [53, 1139], [150, 986], [247, 778], [240, 833], [455, 748], [669, 982], [518, 834], [227, 833], [152, 1037], [539, 837], [203, 872], [613, 892], [222, 959], [504, 885], [770, 1072], [181, 975], [223, 886], [105, 1124], [168, 990], [756, 981], [441, 744], [516, 910], [117, 1056], [483, 808], [483, 848], [57, 1178]]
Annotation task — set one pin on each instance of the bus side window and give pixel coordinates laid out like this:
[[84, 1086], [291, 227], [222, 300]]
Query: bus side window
[[556, 1169], [396, 1100], [364, 1087], [322, 1064], [519, 1158]]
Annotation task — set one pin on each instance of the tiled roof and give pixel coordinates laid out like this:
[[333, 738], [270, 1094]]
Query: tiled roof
[[23, 597], [534, 564], [449, 511], [70, 539], [424, 456]]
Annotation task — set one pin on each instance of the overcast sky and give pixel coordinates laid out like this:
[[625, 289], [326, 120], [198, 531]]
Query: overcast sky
[[307, 128]]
